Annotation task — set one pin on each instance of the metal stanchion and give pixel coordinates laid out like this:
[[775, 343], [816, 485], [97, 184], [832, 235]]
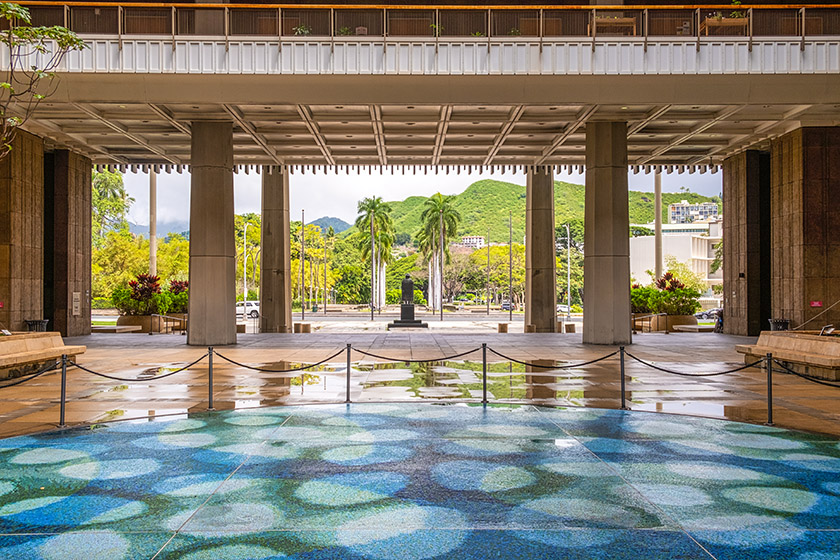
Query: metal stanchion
[[63, 406], [347, 393], [621, 356], [484, 373], [769, 364], [210, 378]]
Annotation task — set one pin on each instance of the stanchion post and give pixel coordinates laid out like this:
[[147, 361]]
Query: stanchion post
[[621, 358], [484, 373], [210, 378], [768, 361], [347, 390], [62, 408]]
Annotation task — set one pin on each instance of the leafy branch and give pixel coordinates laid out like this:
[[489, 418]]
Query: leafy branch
[[34, 55]]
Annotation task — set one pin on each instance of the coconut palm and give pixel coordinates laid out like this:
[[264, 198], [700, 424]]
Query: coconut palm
[[376, 229], [438, 227]]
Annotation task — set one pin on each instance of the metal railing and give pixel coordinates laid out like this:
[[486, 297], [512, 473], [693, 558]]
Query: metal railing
[[165, 322], [439, 23], [767, 363]]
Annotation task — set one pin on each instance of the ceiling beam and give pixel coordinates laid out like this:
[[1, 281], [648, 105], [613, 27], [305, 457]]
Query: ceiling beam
[[649, 118], [83, 142], [726, 113], [514, 116], [744, 140], [570, 129], [122, 130], [306, 115], [440, 137], [247, 127], [378, 133], [166, 115]]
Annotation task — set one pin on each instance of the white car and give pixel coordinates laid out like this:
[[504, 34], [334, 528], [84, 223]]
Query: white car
[[248, 309], [562, 308]]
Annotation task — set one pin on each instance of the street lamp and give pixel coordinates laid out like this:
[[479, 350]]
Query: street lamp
[[568, 274], [244, 265]]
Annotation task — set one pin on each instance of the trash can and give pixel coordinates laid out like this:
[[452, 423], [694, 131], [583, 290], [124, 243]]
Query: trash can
[[779, 324], [36, 325]]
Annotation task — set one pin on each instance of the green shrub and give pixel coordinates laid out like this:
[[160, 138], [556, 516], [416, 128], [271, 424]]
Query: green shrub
[[677, 301], [161, 303], [101, 303], [418, 298], [121, 299], [577, 308], [392, 297], [640, 298], [180, 302]]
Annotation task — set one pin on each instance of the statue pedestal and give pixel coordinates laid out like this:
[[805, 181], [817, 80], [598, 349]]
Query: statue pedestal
[[407, 320]]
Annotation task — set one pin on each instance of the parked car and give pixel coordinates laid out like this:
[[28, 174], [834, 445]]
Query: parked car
[[562, 308], [506, 306], [248, 308], [709, 314]]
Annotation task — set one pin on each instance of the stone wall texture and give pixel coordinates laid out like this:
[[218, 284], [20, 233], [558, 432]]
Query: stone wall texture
[[21, 232], [805, 208], [71, 243]]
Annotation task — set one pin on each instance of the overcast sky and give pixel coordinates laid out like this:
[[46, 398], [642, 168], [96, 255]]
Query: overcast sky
[[337, 195]]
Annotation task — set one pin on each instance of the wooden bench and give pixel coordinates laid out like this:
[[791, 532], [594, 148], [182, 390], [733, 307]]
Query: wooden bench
[[26, 349], [804, 352]]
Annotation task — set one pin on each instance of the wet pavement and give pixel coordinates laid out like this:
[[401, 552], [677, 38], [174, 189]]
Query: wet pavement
[[34, 406]]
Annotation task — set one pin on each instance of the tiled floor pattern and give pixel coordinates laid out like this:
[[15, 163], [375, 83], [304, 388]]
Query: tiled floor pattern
[[419, 480]]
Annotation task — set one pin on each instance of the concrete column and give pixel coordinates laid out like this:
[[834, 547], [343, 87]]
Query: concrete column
[[69, 245], [606, 261], [540, 261], [805, 221], [657, 220], [276, 259], [746, 243], [152, 223], [212, 313], [22, 233]]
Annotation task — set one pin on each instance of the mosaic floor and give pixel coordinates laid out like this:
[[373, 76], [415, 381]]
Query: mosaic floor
[[414, 481]]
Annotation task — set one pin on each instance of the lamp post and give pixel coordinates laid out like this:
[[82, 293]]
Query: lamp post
[[244, 266], [488, 272], [510, 265], [302, 255], [568, 273], [440, 217]]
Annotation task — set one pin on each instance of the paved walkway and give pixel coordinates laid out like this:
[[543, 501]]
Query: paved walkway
[[34, 406]]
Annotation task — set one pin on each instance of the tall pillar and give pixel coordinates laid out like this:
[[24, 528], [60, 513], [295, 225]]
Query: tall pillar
[[212, 313], [540, 260], [22, 232], [606, 261], [69, 246], [657, 221], [805, 221], [276, 259], [152, 222], [746, 243]]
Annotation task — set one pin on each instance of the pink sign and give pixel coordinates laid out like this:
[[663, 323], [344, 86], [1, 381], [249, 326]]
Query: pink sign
[[816, 304]]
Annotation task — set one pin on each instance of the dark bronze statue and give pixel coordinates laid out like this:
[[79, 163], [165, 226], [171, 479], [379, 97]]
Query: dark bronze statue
[[407, 319], [407, 290]]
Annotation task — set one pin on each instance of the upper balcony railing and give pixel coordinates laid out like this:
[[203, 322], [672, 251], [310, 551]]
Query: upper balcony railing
[[439, 22]]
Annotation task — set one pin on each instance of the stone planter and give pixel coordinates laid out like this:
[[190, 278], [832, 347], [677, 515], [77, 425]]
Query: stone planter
[[147, 324], [668, 322]]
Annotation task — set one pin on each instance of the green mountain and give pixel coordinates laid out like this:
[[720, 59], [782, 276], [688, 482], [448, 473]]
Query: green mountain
[[485, 206], [325, 222]]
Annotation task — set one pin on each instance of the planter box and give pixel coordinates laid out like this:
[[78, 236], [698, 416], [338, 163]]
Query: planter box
[[146, 324], [664, 322]]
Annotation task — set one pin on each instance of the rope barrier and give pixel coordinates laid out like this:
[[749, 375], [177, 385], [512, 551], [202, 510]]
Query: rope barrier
[[416, 361], [806, 377], [31, 376], [686, 374], [266, 370], [133, 380], [569, 366]]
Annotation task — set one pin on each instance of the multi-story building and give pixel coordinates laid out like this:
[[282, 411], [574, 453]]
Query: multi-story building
[[687, 212], [473, 241]]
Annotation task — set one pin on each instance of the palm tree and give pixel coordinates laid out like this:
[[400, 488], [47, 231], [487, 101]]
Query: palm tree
[[438, 226], [375, 228]]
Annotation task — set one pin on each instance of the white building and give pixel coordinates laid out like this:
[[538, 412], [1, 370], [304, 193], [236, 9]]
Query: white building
[[687, 212], [473, 241], [692, 244]]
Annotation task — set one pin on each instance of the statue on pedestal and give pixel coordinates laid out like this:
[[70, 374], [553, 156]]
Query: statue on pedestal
[[407, 319]]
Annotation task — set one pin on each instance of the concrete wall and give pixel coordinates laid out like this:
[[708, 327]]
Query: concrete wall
[[805, 219], [70, 243], [21, 232], [746, 243]]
